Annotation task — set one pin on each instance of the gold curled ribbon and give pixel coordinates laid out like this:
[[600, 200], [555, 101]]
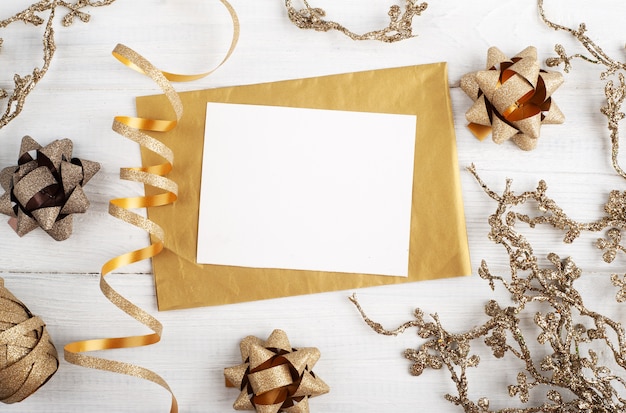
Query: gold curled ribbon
[[131, 128]]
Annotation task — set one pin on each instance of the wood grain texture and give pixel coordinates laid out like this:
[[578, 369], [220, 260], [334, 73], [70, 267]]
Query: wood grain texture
[[85, 88]]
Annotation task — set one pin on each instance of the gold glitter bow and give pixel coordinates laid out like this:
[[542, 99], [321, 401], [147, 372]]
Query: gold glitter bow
[[512, 98], [27, 356], [155, 176], [275, 377], [46, 190]]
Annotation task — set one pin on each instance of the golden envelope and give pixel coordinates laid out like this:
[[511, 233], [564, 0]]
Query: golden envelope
[[438, 244]]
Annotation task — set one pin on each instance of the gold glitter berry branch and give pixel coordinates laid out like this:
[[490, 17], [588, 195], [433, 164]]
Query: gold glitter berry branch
[[23, 85], [596, 51], [551, 214], [614, 93], [562, 365]]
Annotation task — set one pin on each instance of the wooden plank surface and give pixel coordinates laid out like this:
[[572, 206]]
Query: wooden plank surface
[[86, 87]]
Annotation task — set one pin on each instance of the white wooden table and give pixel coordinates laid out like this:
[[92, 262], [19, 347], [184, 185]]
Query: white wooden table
[[86, 87]]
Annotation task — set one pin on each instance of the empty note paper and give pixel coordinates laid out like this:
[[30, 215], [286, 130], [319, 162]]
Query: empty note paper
[[306, 189]]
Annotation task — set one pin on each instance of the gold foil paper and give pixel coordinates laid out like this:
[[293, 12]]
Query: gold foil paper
[[28, 357], [274, 377], [438, 241], [512, 98], [47, 190]]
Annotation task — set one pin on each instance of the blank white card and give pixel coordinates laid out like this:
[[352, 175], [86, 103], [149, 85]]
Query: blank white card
[[306, 189]]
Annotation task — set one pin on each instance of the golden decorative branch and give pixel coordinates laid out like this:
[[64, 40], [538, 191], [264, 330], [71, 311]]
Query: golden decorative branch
[[24, 84], [615, 93], [399, 28], [561, 371]]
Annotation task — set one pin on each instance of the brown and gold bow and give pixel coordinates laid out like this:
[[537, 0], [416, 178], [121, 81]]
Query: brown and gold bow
[[275, 377], [45, 190], [512, 98], [27, 356]]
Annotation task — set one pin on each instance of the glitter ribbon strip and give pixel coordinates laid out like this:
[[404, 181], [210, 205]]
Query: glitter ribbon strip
[[131, 128]]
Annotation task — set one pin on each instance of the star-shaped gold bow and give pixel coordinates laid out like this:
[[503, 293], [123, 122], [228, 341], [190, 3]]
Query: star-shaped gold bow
[[46, 190], [275, 377], [512, 98]]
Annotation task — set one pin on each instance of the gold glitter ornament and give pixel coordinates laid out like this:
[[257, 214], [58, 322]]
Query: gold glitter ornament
[[27, 356], [275, 377], [46, 190], [512, 98]]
